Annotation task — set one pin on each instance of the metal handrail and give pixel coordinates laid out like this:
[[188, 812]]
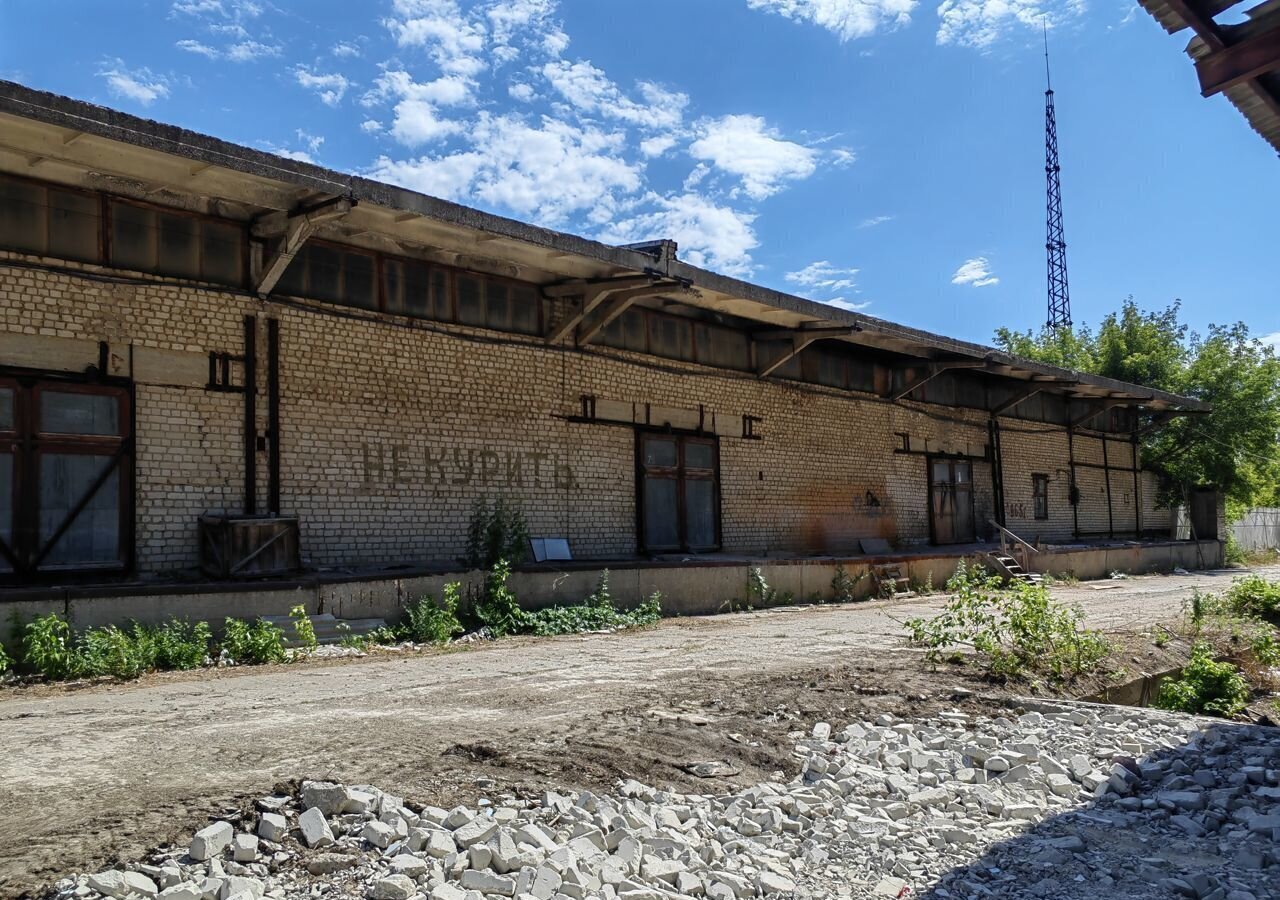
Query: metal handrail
[[1021, 545]]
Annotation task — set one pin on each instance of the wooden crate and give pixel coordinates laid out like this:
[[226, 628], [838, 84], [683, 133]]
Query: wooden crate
[[248, 546]]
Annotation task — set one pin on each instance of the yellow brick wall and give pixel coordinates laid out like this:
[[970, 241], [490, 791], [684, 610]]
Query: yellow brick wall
[[391, 430]]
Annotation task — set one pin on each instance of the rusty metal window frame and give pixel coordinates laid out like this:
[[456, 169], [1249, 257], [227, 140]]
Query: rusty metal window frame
[[681, 474], [47, 187], [112, 201], [29, 442]]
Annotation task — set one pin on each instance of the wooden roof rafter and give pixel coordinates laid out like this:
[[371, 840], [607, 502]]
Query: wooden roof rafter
[[1240, 60]]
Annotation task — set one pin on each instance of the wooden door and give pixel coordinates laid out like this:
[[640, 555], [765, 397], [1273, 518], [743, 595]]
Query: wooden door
[[951, 501]]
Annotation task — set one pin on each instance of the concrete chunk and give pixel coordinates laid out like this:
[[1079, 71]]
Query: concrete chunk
[[211, 840], [315, 828]]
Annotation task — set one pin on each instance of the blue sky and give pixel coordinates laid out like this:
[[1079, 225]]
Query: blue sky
[[881, 154]]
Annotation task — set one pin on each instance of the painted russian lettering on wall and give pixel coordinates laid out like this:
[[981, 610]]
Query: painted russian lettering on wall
[[385, 466]]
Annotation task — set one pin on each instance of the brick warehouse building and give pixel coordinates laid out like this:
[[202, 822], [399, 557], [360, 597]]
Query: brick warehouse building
[[190, 327]]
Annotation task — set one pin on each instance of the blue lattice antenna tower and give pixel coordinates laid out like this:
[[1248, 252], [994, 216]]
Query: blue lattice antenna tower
[[1055, 244]]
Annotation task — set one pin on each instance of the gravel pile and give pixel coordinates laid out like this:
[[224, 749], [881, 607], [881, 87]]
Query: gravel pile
[[1063, 801]]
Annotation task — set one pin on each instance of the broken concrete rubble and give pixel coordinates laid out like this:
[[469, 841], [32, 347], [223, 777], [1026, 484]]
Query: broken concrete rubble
[[1065, 801]]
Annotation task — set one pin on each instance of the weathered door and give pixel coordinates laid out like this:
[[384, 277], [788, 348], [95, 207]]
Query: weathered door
[[951, 501]]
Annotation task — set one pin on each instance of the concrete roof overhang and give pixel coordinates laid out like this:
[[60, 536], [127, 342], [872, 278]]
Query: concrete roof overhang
[[60, 139]]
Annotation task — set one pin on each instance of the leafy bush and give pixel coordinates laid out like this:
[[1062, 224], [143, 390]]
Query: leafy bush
[[497, 532], [1254, 596], [760, 593], [497, 608], [428, 623], [48, 647], [1015, 632], [1232, 553], [5, 660], [844, 587], [1205, 686], [111, 651], [303, 629], [180, 645], [594, 615], [253, 642]]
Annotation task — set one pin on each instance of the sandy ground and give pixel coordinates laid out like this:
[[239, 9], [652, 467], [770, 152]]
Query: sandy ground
[[99, 772]]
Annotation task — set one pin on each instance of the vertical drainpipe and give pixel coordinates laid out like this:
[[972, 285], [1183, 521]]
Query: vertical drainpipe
[[1073, 492], [1137, 496], [273, 415], [1106, 473], [250, 416], [997, 469]]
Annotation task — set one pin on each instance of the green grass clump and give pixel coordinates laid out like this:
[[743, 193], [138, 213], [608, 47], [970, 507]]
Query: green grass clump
[[1205, 686], [253, 643], [303, 629], [1016, 631], [429, 622]]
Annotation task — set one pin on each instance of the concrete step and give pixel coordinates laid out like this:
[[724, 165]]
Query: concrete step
[[329, 629]]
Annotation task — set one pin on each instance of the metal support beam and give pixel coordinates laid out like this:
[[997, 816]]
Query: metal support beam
[[800, 338], [616, 305], [300, 226], [1102, 407], [1239, 62], [1025, 394], [593, 293], [936, 369]]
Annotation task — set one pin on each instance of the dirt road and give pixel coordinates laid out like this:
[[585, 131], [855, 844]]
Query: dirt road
[[110, 770]]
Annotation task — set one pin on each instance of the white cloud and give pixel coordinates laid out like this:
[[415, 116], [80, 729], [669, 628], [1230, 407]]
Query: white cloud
[[416, 120], [370, 126], [199, 7], [841, 303], [975, 272], [247, 51], [521, 91], [656, 146], [329, 88], [1272, 340], [345, 49], [510, 18], [823, 276], [744, 146], [140, 85], [873, 221], [417, 123], [547, 171], [847, 19], [439, 27], [312, 141], [197, 47], [980, 23], [243, 51], [589, 90], [710, 235]]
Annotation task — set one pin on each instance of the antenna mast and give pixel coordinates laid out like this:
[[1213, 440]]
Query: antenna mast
[[1055, 244]]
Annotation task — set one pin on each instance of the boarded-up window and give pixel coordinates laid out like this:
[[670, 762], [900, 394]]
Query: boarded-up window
[[679, 492], [64, 477], [49, 221]]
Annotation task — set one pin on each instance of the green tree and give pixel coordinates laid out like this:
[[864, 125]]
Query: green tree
[[1236, 446]]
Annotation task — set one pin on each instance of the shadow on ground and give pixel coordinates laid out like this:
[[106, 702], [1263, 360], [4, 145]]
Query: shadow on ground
[[1199, 821]]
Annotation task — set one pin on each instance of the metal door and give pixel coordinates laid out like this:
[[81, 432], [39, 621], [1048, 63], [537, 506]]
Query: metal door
[[951, 501]]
